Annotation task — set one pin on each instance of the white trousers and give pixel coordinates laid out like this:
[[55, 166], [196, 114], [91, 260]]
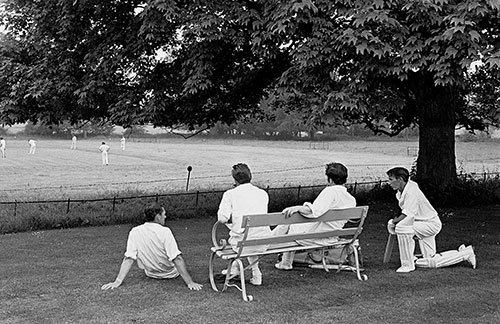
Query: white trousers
[[447, 258], [425, 232], [105, 158]]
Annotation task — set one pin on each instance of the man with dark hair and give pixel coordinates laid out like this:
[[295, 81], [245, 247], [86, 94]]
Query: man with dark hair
[[244, 199], [418, 218], [335, 195], [154, 247]]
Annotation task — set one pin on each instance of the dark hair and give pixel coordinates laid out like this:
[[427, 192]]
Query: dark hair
[[150, 211], [103, 143], [241, 173], [336, 172], [399, 172]]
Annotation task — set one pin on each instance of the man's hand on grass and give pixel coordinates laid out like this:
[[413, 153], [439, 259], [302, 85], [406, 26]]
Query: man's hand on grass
[[194, 286], [111, 285]]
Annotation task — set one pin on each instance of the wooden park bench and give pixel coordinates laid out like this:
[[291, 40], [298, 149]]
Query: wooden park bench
[[348, 238]]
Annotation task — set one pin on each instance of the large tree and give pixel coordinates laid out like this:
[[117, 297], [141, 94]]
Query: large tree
[[387, 64]]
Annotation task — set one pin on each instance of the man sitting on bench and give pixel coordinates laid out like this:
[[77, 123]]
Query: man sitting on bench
[[244, 199], [334, 196]]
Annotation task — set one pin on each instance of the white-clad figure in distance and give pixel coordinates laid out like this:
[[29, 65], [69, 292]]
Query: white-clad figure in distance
[[73, 142], [2, 147], [104, 149], [32, 144], [122, 143]]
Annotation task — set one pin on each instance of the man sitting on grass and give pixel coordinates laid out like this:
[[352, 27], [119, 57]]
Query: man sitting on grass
[[154, 247]]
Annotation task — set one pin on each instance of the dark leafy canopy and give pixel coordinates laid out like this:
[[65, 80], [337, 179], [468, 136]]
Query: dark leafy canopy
[[78, 60], [389, 64]]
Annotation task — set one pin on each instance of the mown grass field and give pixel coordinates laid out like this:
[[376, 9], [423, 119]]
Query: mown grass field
[[55, 277], [148, 165]]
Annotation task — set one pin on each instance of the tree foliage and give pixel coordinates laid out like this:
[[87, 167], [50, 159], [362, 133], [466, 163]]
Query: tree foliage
[[389, 64]]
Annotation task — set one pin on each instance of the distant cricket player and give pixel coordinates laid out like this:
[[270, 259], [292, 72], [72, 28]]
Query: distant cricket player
[[104, 148], [32, 144], [2, 147], [122, 143], [73, 142]]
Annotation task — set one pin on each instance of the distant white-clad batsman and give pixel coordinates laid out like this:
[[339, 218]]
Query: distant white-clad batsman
[[73, 142], [32, 144], [122, 143], [2, 146], [104, 149]]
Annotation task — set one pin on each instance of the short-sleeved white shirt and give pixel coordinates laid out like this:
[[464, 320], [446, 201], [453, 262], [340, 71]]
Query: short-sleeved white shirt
[[104, 148], [245, 199], [332, 197], [414, 204], [154, 247]]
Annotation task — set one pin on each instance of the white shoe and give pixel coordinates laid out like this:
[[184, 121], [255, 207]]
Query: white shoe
[[282, 266], [472, 258], [256, 280], [405, 269]]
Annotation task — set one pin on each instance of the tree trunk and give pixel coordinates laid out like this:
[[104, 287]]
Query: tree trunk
[[436, 168]]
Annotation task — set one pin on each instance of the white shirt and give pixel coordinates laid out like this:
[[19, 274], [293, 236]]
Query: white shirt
[[154, 247], [414, 204], [104, 148], [332, 197], [245, 199], [32, 142], [2, 143]]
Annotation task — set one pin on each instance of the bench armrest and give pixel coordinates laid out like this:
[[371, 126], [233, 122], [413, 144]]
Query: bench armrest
[[222, 243]]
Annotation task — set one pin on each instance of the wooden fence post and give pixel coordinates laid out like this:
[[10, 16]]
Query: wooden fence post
[[197, 196], [298, 193], [67, 207], [114, 203]]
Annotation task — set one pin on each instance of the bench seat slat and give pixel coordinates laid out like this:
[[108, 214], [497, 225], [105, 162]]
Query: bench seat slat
[[273, 219], [228, 252], [296, 237]]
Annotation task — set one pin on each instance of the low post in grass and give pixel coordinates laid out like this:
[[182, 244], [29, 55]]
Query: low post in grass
[[197, 197], [189, 168], [15, 209], [67, 207], [298, 193], [114, 203]]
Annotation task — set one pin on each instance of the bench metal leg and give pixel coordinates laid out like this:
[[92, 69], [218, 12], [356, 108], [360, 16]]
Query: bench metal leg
[[356, 259], [227, 284], [389, 247]]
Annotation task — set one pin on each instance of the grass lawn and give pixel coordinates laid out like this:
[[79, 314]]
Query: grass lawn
[[55, 277]]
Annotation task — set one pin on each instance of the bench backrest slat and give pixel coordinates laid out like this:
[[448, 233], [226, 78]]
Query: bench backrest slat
[[294, 237], [273, 219]]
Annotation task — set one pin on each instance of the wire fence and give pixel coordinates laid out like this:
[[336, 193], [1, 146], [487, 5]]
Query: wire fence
[[22, 215]]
